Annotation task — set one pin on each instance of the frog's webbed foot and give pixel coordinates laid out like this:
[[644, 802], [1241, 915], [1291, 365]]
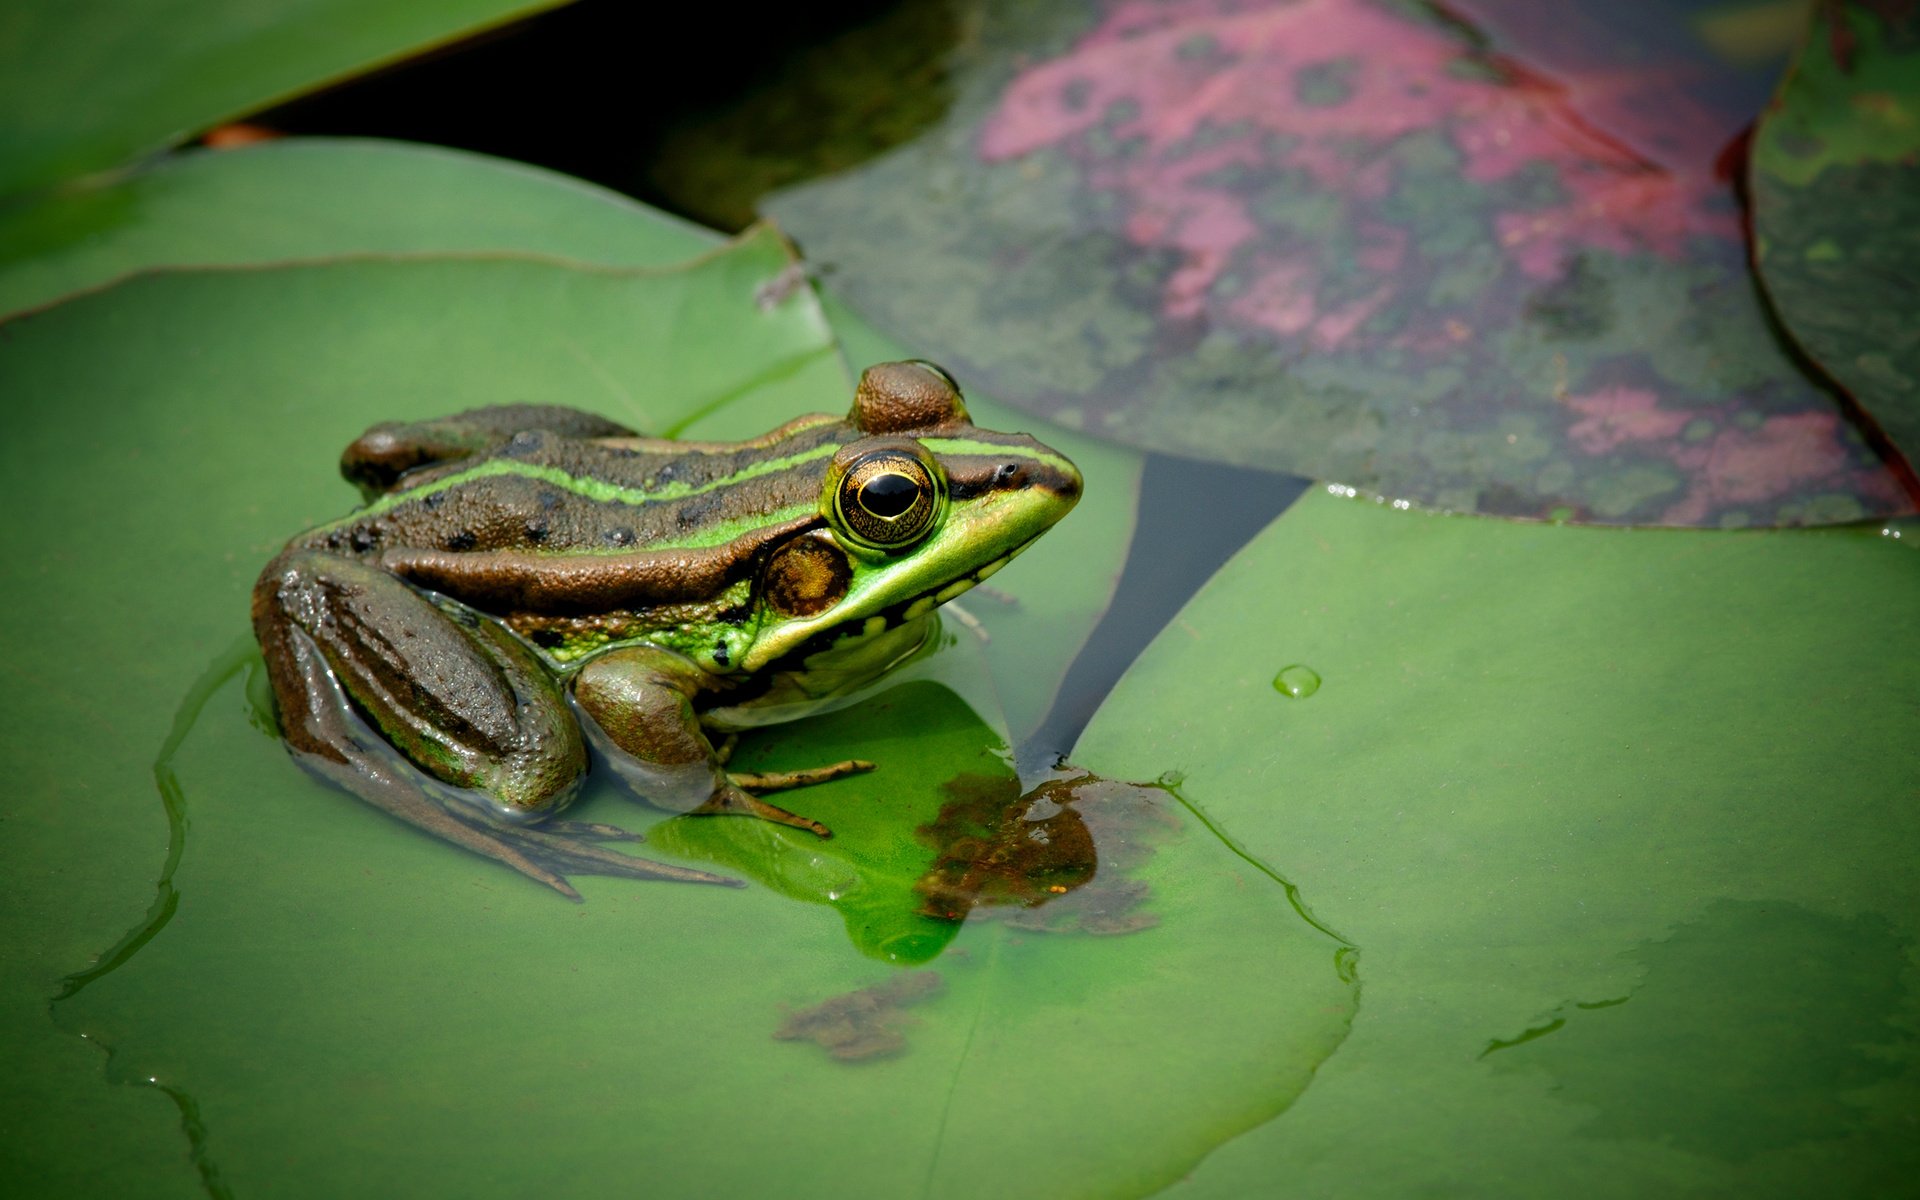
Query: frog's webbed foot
[[386, 784], [563, 850], [591, 829], [446, 696], [546, 853]]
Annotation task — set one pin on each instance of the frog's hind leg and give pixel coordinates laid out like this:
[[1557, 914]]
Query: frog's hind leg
[[449, 693]]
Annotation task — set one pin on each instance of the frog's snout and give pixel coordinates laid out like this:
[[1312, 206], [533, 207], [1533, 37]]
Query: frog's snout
[[1057, 476], [1070, 484]]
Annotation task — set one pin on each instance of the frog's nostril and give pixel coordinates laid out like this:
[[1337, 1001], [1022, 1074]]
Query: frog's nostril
[[1006, 473]]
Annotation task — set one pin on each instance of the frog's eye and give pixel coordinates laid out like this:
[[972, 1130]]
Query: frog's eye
[[886, 500]]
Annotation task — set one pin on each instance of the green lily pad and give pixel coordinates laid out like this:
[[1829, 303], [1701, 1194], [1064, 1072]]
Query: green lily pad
[[297, 199], [1482, 260], [1621, 822], [89, 86], [385, 330], [1836, 206], [331, 980]]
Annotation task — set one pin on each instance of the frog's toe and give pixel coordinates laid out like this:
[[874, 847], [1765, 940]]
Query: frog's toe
[[566, 853], [730, 800], [780, 781], [592, 829]]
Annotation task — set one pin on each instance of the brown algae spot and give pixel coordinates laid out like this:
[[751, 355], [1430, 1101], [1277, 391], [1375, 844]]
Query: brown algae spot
[[1297, 681], [863, 1024], [997, 847], [1060, 856]]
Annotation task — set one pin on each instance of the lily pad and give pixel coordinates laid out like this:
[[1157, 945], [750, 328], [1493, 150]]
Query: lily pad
[[433, 995], [1836, 206], [298, 199], [1491, 268], [1621, 822], [89, 86]]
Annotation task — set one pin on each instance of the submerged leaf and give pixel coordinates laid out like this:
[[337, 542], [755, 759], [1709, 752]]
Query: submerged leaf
[[1064, 853], [994, 846]]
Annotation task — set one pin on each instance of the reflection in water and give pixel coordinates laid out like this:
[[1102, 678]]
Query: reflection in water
[[1069, 845], [866, 1023]]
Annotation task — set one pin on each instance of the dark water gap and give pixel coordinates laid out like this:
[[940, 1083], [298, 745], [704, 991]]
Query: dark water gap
[[600, 89], [1193, 517]]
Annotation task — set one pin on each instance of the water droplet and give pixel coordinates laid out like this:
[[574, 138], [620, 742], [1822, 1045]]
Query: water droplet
[[1297, 681]]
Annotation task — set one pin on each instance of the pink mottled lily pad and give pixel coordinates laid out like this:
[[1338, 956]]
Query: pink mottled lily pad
[[1489, 258], [1835, 178]]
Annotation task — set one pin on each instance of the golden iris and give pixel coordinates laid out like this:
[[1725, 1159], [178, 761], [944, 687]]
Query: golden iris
[[887, 499]]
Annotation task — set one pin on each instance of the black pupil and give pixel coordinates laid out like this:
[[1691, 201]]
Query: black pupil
[[888, 495]]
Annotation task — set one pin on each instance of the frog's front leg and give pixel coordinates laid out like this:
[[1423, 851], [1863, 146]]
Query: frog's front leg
[[642, 699], [454, 694]]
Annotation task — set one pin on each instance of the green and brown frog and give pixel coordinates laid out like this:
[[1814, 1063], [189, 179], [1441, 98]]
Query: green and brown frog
[[526, 578]]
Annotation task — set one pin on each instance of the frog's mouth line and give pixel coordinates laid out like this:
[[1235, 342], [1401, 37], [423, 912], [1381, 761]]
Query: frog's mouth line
[[898, 613], [915, 607]]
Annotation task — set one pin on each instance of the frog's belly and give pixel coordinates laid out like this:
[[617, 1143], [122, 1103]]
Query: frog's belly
[[833, 678]]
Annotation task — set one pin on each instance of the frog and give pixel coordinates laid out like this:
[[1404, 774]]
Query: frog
[[530, 589]]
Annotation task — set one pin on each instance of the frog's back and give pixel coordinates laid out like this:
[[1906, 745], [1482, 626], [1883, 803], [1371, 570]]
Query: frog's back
[[550, 493]]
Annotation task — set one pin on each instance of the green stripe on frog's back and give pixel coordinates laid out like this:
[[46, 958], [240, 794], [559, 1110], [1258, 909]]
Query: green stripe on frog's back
[[591, 489], [564, 497]]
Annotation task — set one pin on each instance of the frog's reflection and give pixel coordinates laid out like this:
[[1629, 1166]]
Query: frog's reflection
[[1045, 849]]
